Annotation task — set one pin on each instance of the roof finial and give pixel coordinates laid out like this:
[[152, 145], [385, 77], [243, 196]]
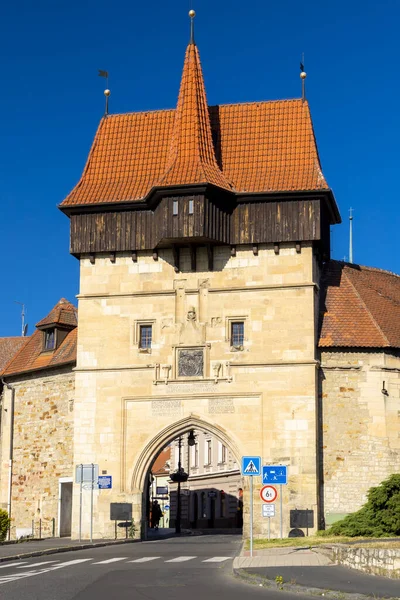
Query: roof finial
[[303, 76], [106, 91], [192, 15]]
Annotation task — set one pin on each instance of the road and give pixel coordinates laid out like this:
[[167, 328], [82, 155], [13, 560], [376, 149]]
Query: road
[[190, 568]]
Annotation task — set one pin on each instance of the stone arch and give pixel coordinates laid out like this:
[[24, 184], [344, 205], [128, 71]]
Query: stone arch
[[167, 435]]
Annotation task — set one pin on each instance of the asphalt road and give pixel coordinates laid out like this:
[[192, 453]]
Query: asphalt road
[[176, 569]]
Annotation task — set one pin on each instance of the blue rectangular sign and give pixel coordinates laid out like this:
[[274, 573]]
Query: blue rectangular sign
[[251, 465], [104, 482], [274, 474]]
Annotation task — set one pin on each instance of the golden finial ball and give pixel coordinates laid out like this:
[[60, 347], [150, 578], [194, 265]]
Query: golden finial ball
[[192, 14], [107, 93], [303, 75]]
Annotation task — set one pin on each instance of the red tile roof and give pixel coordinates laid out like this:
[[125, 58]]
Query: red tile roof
[[31, 355], [256, 147], [162, 463], [64, 313], [360, 307], [9, 346]]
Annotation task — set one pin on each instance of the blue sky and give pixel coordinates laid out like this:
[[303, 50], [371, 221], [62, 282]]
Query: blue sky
[[52, 101]]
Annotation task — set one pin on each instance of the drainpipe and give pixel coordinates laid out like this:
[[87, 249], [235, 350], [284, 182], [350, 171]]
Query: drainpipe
[[10, 463]]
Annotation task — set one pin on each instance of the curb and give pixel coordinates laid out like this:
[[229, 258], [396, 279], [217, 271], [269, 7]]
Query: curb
[[60, 549], [298, 589]]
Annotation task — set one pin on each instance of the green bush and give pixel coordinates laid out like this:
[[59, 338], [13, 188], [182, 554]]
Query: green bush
[[4, 524], [380, 515]]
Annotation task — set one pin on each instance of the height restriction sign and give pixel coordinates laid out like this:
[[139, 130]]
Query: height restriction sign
[[268, 493]]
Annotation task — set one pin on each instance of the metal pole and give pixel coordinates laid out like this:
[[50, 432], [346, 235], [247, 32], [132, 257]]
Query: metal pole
[[178, 503], [269, 528], [251, 516], [80, 505], [40, 529], [91, 505], [281, 511]]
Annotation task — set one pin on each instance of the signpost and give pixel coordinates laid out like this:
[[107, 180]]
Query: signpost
[[268, 493], [251, 467], [104, 482], [276, 475]]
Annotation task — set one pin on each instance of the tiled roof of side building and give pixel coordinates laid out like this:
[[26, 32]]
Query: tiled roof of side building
[[32, 355], [64, 313], [9, 346], [360, 307]]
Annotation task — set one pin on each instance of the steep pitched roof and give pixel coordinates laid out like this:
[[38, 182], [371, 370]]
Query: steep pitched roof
[[31, 355], [191, 155], [360, 307], [64, 314], [9, 346], [255, 147], [161, 465]]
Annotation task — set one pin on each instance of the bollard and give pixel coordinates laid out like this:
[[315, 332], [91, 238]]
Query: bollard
[[40, 529], [54, 527], [33, 528]]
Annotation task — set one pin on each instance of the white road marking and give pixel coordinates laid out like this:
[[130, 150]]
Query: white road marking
[[69, 563], [217, 559], [110, 560], [144, 559], [180, 559], [46, 562], [14, 564]]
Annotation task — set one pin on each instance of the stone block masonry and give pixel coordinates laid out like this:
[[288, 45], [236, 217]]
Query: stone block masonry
[[42, 447]]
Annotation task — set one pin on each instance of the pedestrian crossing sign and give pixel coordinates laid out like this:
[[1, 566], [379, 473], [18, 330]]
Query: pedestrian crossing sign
[[251, 465]]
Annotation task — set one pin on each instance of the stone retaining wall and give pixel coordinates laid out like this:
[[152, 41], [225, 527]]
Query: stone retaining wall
[[376, 561]]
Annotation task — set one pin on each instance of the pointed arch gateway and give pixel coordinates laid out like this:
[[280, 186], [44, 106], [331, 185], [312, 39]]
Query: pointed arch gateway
[[167, 435]]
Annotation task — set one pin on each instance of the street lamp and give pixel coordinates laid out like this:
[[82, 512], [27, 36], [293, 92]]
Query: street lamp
[[180, 476]]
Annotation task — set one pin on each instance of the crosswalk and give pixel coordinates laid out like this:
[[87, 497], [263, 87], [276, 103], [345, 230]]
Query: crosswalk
[[23, 569]]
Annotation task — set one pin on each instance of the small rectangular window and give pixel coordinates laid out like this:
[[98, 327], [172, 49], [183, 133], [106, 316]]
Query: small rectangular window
[[191, 205], [175, 208], [145, 337], [237, 333], [50, 339], [209, 452], [223, 454]]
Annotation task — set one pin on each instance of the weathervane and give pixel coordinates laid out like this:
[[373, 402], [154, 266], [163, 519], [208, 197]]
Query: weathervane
[[106, 91], [303, 76]]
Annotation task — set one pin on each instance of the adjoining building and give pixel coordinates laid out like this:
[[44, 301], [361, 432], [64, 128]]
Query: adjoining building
[[208, 302]]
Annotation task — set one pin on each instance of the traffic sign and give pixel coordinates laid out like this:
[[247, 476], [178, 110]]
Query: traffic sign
[[268, 493], [104, 482], [251, 465], [268, 510], [275, 474]]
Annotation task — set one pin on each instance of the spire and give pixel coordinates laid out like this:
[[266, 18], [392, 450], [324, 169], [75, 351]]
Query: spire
[[191, 155]]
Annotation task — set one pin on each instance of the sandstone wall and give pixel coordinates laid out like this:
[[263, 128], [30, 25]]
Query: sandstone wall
[[43, 438], [258, 400], [361, 426]]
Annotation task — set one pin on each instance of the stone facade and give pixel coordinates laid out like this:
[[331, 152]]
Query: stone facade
[[360, 425], [260, 399], [42, 448], [376, 561]]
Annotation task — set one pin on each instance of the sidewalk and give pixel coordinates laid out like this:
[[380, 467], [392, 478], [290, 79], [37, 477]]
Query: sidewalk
[[310, 571]]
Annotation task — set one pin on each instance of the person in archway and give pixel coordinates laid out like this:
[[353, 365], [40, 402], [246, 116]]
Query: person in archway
[[156, 514]]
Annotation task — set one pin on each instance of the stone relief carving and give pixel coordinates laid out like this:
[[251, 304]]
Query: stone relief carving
[[216, 368], [166, 371], [191, 363], [216, 321], [192, 332]]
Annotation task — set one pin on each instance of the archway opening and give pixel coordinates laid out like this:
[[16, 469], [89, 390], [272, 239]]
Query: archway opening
[[192, 483]]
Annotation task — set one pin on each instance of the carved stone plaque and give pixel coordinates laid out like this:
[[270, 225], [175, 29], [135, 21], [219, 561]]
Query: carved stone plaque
[[191, 363], [164, 408]]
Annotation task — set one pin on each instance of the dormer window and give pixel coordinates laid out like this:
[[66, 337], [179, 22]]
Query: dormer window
[[50, 339]]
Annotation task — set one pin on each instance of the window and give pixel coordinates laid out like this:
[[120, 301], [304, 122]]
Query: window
[[195, 451], [237, 333], [50, 339], [145, 337], [208, 452], [191, 203], [223, 454], [175, 207]]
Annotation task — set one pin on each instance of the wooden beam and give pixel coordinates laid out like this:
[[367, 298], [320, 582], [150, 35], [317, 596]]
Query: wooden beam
[[210, 256], [134, 256], [92, 259], [112, 257], [298, 247], [255, 249], [276, 248], [233, 250], [192, 249], [175, 253]]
